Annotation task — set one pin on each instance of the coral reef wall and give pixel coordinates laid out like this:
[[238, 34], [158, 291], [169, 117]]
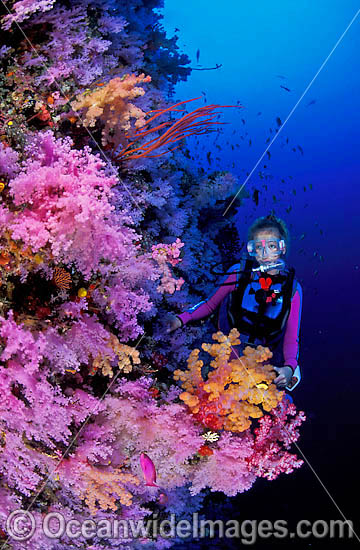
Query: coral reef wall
[[101, 241]]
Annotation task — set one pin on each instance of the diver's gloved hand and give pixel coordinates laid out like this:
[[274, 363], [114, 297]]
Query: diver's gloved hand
[[284, 376], [174, 324]]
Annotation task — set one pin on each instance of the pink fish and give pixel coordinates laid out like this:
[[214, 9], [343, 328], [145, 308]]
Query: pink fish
[[163, 499], [148, 469]]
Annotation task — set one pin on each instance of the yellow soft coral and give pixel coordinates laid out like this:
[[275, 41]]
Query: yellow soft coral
[[112, 105], [236, 390], [192, 377], [126, 354], [105, 488]]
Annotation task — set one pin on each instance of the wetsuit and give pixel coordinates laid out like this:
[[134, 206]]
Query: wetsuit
[[282, 309]]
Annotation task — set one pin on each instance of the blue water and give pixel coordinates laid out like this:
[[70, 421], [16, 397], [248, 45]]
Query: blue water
[[301, 46]]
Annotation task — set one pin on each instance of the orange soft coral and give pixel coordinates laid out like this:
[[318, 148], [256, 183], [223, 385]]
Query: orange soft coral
[[236, 390], [103, 488], [127, 355], [112, 105]]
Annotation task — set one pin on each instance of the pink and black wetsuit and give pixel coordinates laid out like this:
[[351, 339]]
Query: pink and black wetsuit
[[284, 342]]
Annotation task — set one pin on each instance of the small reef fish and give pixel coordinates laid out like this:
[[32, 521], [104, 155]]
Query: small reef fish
[[163, 499], [148, 469]]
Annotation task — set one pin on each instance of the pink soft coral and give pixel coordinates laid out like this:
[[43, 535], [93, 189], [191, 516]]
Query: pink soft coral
[[274, 435], [24, 9], [226, 469], [163, 254]]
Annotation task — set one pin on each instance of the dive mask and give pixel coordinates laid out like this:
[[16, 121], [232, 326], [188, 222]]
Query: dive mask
[[271, 247]]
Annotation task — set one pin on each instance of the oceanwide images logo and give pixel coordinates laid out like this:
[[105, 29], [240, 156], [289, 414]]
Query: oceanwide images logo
[[21, 525]]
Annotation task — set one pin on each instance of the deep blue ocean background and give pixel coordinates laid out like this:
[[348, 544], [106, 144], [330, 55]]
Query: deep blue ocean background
[[270, 54]]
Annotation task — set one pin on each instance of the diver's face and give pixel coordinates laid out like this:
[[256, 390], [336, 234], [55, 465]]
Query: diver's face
[[269, 253]]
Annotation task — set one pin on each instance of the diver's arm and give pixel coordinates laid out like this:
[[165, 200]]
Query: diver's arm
[[206, 308], [291, 338]]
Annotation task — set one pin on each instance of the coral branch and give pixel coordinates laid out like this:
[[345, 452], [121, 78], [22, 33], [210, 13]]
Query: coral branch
[[235, 391], [105, 487], [186, 126]]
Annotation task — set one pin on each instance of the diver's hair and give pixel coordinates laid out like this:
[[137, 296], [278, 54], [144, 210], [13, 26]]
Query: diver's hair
[[270, 222]]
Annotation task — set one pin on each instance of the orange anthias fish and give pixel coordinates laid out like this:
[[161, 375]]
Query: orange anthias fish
[[148, 469]]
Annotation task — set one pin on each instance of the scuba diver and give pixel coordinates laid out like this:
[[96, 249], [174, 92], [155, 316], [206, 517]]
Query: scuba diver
[[261, 297]]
